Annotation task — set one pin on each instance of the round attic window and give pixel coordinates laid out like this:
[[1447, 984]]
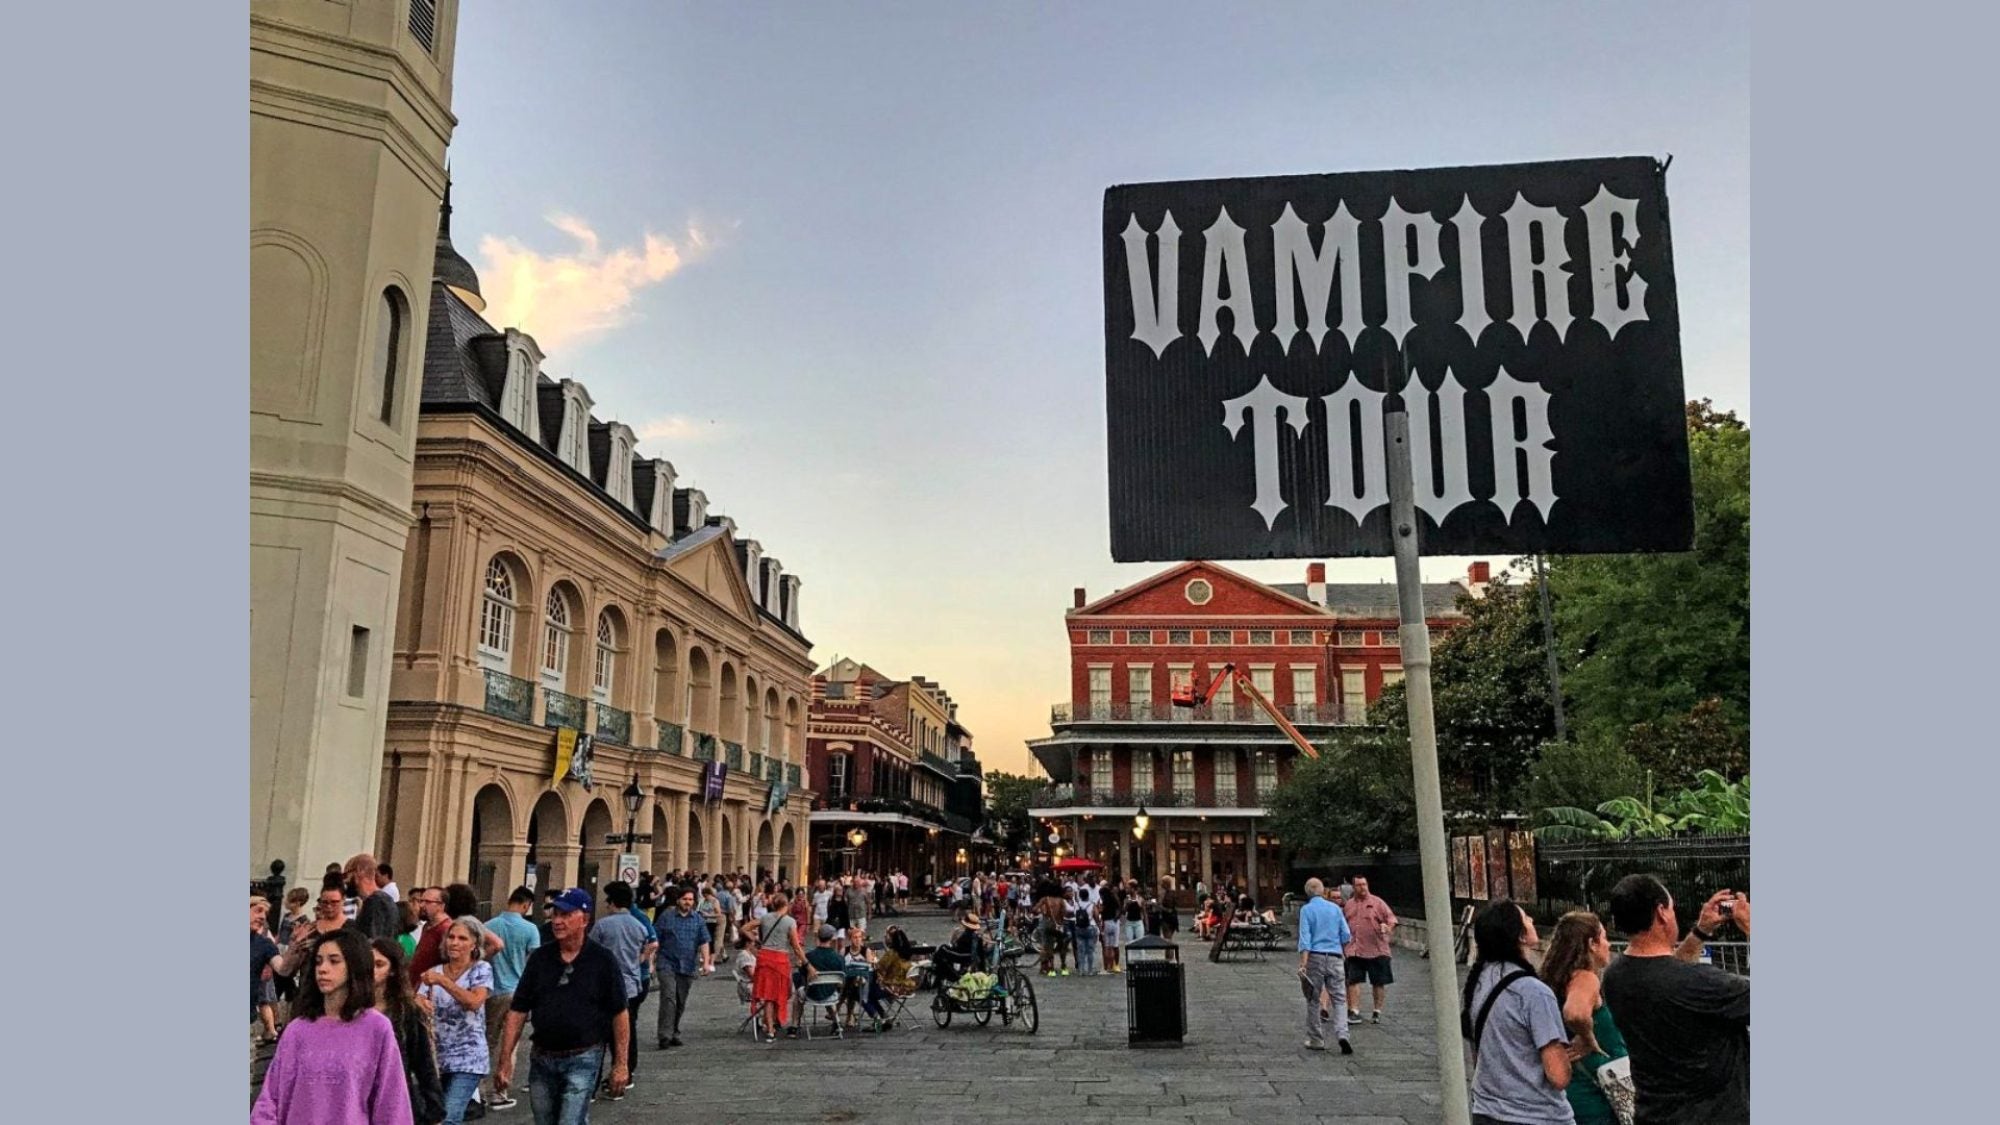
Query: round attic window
[[1199, 591]]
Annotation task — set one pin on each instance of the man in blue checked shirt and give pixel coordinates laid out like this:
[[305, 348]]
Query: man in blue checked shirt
[[1323, 933], [684, 952]]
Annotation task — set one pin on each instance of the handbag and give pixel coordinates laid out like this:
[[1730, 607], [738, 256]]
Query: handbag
[[1615, 1080]]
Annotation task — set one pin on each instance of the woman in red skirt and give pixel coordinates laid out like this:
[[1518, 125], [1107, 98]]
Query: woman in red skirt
[[778, 943]]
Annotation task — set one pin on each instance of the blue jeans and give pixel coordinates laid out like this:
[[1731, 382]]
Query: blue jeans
[[1086, 951], [559, 1087], [458, 1090]]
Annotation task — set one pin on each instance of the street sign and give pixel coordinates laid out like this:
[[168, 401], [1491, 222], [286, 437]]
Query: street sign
[[628, 869], [620, 838], [1257, 332]]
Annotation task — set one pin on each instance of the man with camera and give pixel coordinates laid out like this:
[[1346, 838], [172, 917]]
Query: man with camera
[[1686, 1024]]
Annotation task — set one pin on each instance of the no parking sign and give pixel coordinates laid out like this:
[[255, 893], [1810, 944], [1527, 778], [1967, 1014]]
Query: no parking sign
[[628, 869]]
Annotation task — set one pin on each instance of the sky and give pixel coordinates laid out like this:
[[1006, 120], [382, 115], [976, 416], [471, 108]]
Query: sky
[[841, 264]]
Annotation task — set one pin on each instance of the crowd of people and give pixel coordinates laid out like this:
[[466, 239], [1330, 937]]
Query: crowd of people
[[396, 1006]]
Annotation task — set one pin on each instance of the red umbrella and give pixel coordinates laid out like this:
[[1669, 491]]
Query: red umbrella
[[1076, 863]]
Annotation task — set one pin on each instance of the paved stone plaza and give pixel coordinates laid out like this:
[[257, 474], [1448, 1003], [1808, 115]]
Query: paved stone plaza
[[1244, 1059]]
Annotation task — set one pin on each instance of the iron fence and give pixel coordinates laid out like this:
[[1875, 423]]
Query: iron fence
[[1242, 711], [1580, 876]]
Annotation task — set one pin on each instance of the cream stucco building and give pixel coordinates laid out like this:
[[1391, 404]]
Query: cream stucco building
[[349, 119], [555, 579]]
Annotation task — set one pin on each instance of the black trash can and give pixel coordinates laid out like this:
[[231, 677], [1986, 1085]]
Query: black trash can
[[1155, 993]]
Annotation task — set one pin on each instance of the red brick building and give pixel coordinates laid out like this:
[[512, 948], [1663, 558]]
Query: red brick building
[[1320, 652], [899, 788]]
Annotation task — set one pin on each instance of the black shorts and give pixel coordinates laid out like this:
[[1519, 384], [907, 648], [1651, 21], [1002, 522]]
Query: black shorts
[[1369, 970]]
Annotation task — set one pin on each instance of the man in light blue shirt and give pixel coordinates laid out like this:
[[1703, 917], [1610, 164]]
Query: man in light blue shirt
[[1323, 933], [522, 937]]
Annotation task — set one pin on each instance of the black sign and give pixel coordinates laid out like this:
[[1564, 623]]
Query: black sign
[[635, 838], [1256, 331]]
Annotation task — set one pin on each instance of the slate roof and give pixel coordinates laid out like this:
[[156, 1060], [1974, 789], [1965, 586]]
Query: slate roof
[[453, 365], [1378, 599]]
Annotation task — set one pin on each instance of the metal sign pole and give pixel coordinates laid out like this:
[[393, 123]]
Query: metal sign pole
[[1424, 763]]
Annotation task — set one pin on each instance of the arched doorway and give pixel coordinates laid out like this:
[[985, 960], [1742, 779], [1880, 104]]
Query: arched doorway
[[767, 851], [701, 693], [697, 857], [788, 853], [492, 870], [597, 859], [662, 860], [729, 724], [548, 834]]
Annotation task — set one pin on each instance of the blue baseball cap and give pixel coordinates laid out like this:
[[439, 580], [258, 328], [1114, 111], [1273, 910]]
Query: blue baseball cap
[[576, 898]]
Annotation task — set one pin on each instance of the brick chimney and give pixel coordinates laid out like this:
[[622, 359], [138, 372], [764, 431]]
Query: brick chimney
[[1478, 576], [1078, 601], [1316, 583]]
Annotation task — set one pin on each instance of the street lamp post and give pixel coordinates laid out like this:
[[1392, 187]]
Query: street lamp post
[[632, 795]]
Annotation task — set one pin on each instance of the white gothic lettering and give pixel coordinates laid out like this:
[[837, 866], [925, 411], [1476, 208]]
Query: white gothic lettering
[[1521, 465], [1538, 268]]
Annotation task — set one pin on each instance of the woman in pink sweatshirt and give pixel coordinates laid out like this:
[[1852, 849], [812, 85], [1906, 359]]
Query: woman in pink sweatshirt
[[337, 1061]]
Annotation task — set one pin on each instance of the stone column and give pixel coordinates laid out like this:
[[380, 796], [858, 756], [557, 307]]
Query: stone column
[[1125, 854], [1207, 864], [563, 861], [510, 868]]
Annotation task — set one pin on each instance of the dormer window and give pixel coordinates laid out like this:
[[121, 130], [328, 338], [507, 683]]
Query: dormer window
[[662, 515], [517, 396], [573, 444], [618, 471]]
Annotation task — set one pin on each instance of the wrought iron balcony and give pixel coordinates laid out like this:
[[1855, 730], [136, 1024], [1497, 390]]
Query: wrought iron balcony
[[756, 764], [735, 751], [510, 697], [1067, 797], [614, 725], [564, 710], [704, 746], [937, 762], [672, 738], [794, 776], [1240, 711]]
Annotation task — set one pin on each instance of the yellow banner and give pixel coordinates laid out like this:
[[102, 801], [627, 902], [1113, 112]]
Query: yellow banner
[[565, 749]]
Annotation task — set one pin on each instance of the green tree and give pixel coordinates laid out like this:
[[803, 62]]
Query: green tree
[[1008, 798], [1490, 700], [1582, 775], [1355, 797], [1648, 639], [1679, 748]]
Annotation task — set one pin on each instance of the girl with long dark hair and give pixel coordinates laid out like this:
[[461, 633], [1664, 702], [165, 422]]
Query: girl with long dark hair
[[1521, 1053], [337, 1062], [395, 999], [1573, 969]]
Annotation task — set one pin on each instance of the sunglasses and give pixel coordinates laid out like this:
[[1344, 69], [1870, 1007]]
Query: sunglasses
[[564, 979]]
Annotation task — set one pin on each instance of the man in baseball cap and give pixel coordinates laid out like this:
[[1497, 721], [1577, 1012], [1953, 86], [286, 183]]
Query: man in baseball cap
[[576, 993]]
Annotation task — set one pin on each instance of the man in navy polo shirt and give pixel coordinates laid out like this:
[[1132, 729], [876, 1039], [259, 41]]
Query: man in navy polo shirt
[[574, 990]]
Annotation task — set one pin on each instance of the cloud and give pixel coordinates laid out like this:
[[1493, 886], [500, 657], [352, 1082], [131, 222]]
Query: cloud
[[676, 429], [564, 299]]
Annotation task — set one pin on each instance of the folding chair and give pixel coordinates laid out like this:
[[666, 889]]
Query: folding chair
[[821, 993], [747, 998]]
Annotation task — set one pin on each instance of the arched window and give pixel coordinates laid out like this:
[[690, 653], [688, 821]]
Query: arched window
[[555, 639], [607, 655], [496, 617], [389, 351]]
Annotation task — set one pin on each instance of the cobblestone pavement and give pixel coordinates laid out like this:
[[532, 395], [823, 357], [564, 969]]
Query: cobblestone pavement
[[1244, 1059]]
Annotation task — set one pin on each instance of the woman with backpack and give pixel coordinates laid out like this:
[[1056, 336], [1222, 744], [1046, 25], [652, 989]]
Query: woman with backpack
[[1521, 1052]]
